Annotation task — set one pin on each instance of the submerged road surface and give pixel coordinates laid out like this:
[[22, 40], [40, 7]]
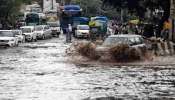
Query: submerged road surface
[[40, 71]]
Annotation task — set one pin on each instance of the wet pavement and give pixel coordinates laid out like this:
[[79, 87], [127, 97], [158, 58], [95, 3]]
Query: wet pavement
[[41, 71]]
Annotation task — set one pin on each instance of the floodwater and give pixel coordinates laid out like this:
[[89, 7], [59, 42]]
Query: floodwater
[[40, 71]]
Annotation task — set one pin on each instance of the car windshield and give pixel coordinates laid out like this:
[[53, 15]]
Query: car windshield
[[135, 40], [26, 30], [53, 24], [39, 28], [83, 27], [6, 34], [115, 40], [123, 40], [17, 33]]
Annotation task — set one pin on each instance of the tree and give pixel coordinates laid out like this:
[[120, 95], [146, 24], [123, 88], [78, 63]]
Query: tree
[[90, 8], [9, 9]]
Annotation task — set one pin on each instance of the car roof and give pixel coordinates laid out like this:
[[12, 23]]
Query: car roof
[[28, 27], [6, 30], [124, 35], [42, 26], [82, 25], [16, 30]]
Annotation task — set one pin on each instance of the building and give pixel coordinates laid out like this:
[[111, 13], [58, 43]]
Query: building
[[50, 5]]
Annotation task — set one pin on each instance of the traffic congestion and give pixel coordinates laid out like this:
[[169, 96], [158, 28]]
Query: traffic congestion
[[87, 50]]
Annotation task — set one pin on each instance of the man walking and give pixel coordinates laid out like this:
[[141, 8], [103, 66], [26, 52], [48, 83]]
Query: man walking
[[68, 34]]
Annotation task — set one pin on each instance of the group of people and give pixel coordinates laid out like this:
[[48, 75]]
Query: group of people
[[147, 29], [126, 29]]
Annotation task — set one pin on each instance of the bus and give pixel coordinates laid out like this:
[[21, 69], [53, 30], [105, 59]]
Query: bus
[[68, 14], [33, 19]]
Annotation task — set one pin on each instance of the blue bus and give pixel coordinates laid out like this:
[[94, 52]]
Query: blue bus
[[68, 14], [33, 19]]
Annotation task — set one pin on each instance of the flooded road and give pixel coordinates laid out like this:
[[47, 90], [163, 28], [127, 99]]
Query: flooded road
[[40, 71]]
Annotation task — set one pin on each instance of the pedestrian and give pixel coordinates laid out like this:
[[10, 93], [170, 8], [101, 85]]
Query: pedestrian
[[166, 29], [68, 33], [116, 29], [0, 26], [165, 34]]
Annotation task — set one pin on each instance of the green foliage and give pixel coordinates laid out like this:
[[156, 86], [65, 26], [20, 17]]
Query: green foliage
[[96, 7], [9, 9], [90, 8]]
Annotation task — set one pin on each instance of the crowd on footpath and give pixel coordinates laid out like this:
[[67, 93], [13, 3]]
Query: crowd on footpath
[[126, 29], [139, 29]]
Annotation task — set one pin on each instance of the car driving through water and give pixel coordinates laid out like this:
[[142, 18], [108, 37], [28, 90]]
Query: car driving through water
[[135, 41]]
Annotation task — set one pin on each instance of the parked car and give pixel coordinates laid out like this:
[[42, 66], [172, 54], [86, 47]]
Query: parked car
[[82, 31], [29, 32], [55, 27], [113, 40], [21, 37], [43, 31], [8, 38]]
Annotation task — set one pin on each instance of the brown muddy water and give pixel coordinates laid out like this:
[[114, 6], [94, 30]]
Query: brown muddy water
[[40, 71]]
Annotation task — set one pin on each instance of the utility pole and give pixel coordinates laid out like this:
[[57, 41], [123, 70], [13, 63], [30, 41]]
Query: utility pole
[[52, 5], [172, 17]]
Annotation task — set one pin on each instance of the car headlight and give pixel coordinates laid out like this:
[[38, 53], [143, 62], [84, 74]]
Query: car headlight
[[12, 40]]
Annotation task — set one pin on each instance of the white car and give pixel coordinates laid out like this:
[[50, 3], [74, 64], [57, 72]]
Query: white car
[[8, 38], [43, 31], [55, 27], [21, 37], [82, 31], [29, 32]]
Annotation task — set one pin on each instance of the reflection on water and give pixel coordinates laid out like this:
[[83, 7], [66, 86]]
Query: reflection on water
[[43, 74]]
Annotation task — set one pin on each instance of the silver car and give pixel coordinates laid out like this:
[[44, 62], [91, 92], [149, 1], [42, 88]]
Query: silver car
[[113, 40]]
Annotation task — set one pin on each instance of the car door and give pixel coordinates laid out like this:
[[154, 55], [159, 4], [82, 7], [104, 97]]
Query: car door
[[49, 31], [34, 35], [45, 31], [16, 37], [21, 37]]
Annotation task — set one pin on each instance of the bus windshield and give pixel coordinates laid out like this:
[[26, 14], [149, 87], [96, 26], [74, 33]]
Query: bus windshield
[[53, 24], [32, 19]]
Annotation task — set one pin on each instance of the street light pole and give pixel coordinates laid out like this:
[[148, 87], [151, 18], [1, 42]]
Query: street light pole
[[52, 5]]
